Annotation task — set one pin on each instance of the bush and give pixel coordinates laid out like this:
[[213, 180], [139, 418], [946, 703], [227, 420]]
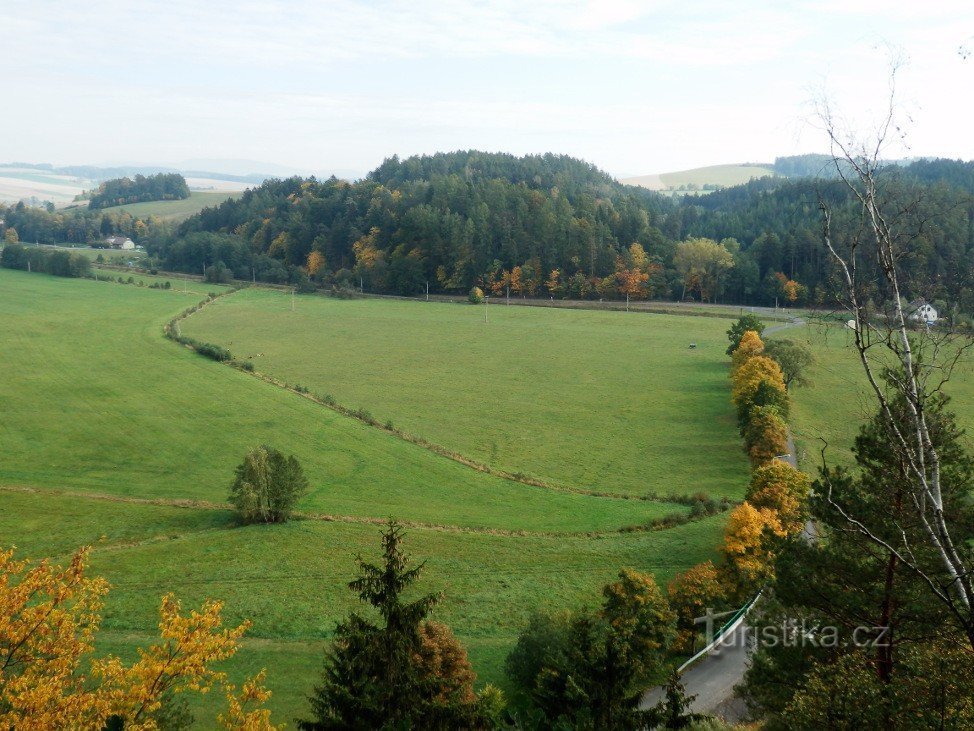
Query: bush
[[267, 486], [476, 296], [213, 352]]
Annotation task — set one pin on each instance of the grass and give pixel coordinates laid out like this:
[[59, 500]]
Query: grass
[[117, 409], [178, 210], [716, 175], [830, 411], [596, 400], [117, 438], [290, 579]]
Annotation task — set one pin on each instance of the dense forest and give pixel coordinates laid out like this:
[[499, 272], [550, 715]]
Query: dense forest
[[119, 191], [550, 226]]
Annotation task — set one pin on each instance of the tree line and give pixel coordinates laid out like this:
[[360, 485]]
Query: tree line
[[158, 187], [545, 226]]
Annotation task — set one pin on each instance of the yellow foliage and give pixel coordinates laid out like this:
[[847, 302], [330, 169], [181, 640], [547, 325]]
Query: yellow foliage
[[316, 262], [780, 487], [754, 371], [746, 548], [49, 617], [750, 346], [367, 252]]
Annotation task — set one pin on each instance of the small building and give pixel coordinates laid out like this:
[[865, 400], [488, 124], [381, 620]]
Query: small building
[[120, 242], [922, 311]]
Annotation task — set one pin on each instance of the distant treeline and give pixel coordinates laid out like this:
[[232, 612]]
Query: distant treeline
[[119, 191], [50, 261], [547, 225]]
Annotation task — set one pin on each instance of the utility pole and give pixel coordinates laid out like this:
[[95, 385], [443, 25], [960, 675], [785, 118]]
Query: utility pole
[[427, 291], [292, 299], [486, 301]]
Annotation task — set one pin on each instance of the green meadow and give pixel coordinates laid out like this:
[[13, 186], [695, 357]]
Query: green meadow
[[828, 413], [118, 438], [174, 210], [604, 401]]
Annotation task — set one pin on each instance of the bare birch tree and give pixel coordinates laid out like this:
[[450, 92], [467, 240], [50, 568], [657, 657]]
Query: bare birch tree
[[901, 363]]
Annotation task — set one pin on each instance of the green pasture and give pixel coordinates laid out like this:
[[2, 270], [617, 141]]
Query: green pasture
[[828, 413], [118, 438], [605, 401], [289, 580], [176, 210], [716, 175]]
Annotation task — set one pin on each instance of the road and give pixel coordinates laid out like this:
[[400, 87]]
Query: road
[[712, 678]]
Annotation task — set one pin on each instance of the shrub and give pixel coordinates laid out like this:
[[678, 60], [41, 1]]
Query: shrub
[[267, 486], [214, 352], [476, 296]]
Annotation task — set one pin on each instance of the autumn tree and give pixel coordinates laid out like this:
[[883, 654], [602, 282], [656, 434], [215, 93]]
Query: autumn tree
[[748, 550], [749, 346], [701, 263], [316, 263], [758, 376], [267, 486], [691, 593], [780, 487], [394, 672], [588, 669], [765, 435], [744, 324], [632, 283], [553, 283], [10, 236], [49, 621]]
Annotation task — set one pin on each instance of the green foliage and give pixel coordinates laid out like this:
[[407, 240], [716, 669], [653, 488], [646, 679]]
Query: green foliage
[[375, 676], [744, 323], [116, 192], [267, 486], [58, 262], [794, 359], [673, 711], [476, 296], [588, 670], [854, 578]]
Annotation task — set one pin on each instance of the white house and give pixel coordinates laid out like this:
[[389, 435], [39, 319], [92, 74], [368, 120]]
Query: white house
[[920, 311], [120, 242]]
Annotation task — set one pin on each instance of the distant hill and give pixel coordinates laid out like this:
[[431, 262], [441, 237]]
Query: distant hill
[[703, 179]]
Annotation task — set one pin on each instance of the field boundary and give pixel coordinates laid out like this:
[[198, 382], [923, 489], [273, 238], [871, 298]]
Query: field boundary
[[721, 504], [173, 333], [188, 504]]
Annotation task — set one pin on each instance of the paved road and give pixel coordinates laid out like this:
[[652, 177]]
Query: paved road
[[712, 679]]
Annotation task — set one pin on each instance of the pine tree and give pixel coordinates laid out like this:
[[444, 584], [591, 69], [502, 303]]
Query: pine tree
[[379, 675]]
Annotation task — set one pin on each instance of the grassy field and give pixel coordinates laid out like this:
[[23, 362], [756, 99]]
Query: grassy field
[[830, 411], [173, 210], [116, 437], [602, 401], [724, 175]]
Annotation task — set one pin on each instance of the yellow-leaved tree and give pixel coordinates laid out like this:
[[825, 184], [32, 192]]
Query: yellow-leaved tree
[[780, 487], [747, 548], [692, 593], [49, 618], [749, 346]]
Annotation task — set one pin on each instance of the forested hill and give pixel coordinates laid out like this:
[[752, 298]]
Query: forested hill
[[158, 187], [453, 220], [542, 225]]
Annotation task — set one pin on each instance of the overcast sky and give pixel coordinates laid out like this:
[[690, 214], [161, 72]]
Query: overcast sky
[[322, 85]]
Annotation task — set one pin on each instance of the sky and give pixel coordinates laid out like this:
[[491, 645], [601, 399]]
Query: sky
[[339, 85]]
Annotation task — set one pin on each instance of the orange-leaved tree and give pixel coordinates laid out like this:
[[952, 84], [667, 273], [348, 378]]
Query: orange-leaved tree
[[692, 593], [780, 487], [49, 618]]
